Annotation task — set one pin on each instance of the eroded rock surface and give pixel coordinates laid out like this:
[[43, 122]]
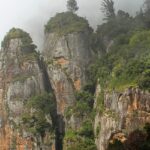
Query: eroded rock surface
[[124, 113], [67, 57], [21, 77]]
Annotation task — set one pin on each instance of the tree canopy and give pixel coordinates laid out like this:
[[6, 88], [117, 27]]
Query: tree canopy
[[72, 5], [66, 22], [108, 9]]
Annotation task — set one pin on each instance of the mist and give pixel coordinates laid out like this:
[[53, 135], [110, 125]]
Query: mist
[[32, 15]]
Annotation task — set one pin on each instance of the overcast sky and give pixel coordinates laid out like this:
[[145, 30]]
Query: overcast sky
[[31, 15]]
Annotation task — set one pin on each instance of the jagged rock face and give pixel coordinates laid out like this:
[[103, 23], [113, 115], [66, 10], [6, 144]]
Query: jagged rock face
[[21, 78], [124, 113], [67, 57]]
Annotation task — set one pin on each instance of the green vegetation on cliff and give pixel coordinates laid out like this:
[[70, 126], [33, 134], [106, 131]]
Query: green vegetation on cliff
[[37, 115], [16, 33], [65, 23], [83, 137], [126, 41]]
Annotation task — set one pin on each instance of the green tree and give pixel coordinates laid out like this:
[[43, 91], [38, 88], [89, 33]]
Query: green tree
[[108, 9], [72, 6], [147, 13]]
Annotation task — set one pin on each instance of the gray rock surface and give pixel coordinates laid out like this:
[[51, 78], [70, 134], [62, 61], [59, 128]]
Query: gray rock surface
[[124, 112], [67, 57]]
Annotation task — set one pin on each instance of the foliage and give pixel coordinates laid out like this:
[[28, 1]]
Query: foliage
[[83, 137], [77, 141], [127, 64], [87, 129], [108, 9], [81, 143], [140, 38], [37, 108], [100, 102], [72, 6], [84, 104], [15, 33], [86, 97], [98, 128], [39, 102], [65, 23]]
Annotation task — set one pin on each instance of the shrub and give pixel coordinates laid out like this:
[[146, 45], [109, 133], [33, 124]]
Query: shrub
[[16, 33], [65, 23], [37, 108], [87, 129]]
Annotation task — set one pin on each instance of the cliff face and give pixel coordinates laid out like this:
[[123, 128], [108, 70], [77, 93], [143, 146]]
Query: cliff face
[[67, 57], [21, 78], [44, 103], [122, 114], [23, 75]]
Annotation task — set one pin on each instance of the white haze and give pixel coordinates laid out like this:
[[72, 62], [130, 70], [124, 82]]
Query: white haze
[[32, 15]]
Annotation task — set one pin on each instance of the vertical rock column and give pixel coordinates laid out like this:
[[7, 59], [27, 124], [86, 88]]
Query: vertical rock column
[[67, 57], [21, 77]]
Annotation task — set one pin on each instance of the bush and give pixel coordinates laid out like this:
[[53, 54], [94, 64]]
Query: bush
[[144, 81], [79, 143], [16, 33], [126, 64], [65, 23], [87, 129], [43, 102], [37, 108], [86, 97]]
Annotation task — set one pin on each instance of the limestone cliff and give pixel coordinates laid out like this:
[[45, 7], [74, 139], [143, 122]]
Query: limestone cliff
[[47, 100], [122, 114], [67, 57], [21, 77]]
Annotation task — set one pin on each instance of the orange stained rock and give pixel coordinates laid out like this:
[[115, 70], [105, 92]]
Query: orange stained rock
[[7, 136], [119, 136], [77, 85], [24, 65], [62, 61], [135, 104], [61, 106]]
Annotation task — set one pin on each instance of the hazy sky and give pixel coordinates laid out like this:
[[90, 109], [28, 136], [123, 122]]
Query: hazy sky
[[31, 15]]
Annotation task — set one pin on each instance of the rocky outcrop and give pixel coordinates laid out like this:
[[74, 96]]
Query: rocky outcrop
[[123, 113], [21, 77], [67, 57]]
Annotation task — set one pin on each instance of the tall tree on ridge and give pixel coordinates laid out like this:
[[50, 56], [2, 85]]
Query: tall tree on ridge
[[72, 6], [108, 9]]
